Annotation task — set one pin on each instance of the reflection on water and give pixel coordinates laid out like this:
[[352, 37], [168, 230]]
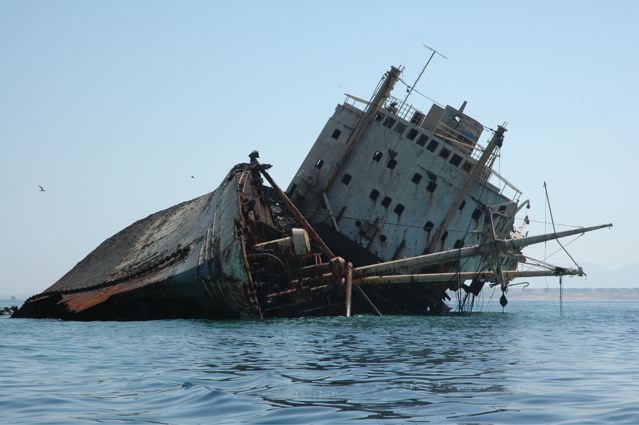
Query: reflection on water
[[530, 365]]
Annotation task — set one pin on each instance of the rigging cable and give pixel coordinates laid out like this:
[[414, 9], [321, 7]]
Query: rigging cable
[[555, 230]]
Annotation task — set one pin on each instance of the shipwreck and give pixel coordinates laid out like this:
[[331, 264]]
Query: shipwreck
[[391, 209]]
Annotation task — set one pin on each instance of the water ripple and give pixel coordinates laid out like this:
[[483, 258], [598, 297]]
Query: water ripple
[[530, 365]]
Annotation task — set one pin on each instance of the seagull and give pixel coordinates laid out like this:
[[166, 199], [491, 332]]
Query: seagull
[[42, 189], [192, 177]]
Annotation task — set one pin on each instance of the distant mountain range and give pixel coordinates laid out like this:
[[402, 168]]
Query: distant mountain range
[[574, 294], [596, 277]]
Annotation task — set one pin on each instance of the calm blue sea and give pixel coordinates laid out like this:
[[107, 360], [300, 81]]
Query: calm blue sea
[[530, 365]]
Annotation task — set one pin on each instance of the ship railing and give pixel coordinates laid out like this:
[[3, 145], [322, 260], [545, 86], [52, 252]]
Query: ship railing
[[393, 105], [354, 101], [474, 151], [404, 111], [505, 187], [491, 176], [458, 139]]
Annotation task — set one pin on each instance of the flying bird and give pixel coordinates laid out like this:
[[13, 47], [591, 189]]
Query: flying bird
[[192, 177], [42, 189]]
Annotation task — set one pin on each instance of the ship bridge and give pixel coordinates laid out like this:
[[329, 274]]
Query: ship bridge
[[385, 181]]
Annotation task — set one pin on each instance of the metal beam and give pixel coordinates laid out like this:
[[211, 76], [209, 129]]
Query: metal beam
[[497, 245], [363, 123], [444, 277], [495, 141]]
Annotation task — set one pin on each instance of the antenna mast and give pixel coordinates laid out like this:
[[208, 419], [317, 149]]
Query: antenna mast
[[410, 90]]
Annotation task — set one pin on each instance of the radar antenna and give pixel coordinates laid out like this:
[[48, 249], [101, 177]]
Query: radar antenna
[[411, 88]]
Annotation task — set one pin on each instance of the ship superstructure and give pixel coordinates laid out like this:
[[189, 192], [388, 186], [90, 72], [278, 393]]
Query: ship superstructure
[[386, 181]]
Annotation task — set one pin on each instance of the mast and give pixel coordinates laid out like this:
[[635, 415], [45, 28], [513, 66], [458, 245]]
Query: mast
[[410, 90], [379, 99], [496, 141]]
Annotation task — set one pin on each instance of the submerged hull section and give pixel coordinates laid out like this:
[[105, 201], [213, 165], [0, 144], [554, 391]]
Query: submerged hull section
[[185, 261], [241, 251]]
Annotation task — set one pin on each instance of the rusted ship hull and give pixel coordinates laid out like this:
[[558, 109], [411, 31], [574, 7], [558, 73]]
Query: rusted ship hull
[[224, 255], [194, 260], [166, 265]]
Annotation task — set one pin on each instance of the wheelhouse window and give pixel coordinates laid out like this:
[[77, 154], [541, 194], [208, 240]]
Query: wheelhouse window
[[456, 160], [412, 133], [388, 122], [399, 128], [432, 146], [422, 139]]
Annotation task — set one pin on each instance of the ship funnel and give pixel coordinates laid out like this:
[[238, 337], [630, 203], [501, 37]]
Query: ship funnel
[[462, 107]]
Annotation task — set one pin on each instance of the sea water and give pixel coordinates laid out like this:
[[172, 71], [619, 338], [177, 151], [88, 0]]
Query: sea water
[[531, 364]]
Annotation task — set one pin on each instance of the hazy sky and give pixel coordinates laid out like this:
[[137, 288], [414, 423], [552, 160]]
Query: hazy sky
[[113, 105]]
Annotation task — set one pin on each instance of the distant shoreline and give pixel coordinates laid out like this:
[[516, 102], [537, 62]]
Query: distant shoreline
[[575, 294], [516, 293]]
